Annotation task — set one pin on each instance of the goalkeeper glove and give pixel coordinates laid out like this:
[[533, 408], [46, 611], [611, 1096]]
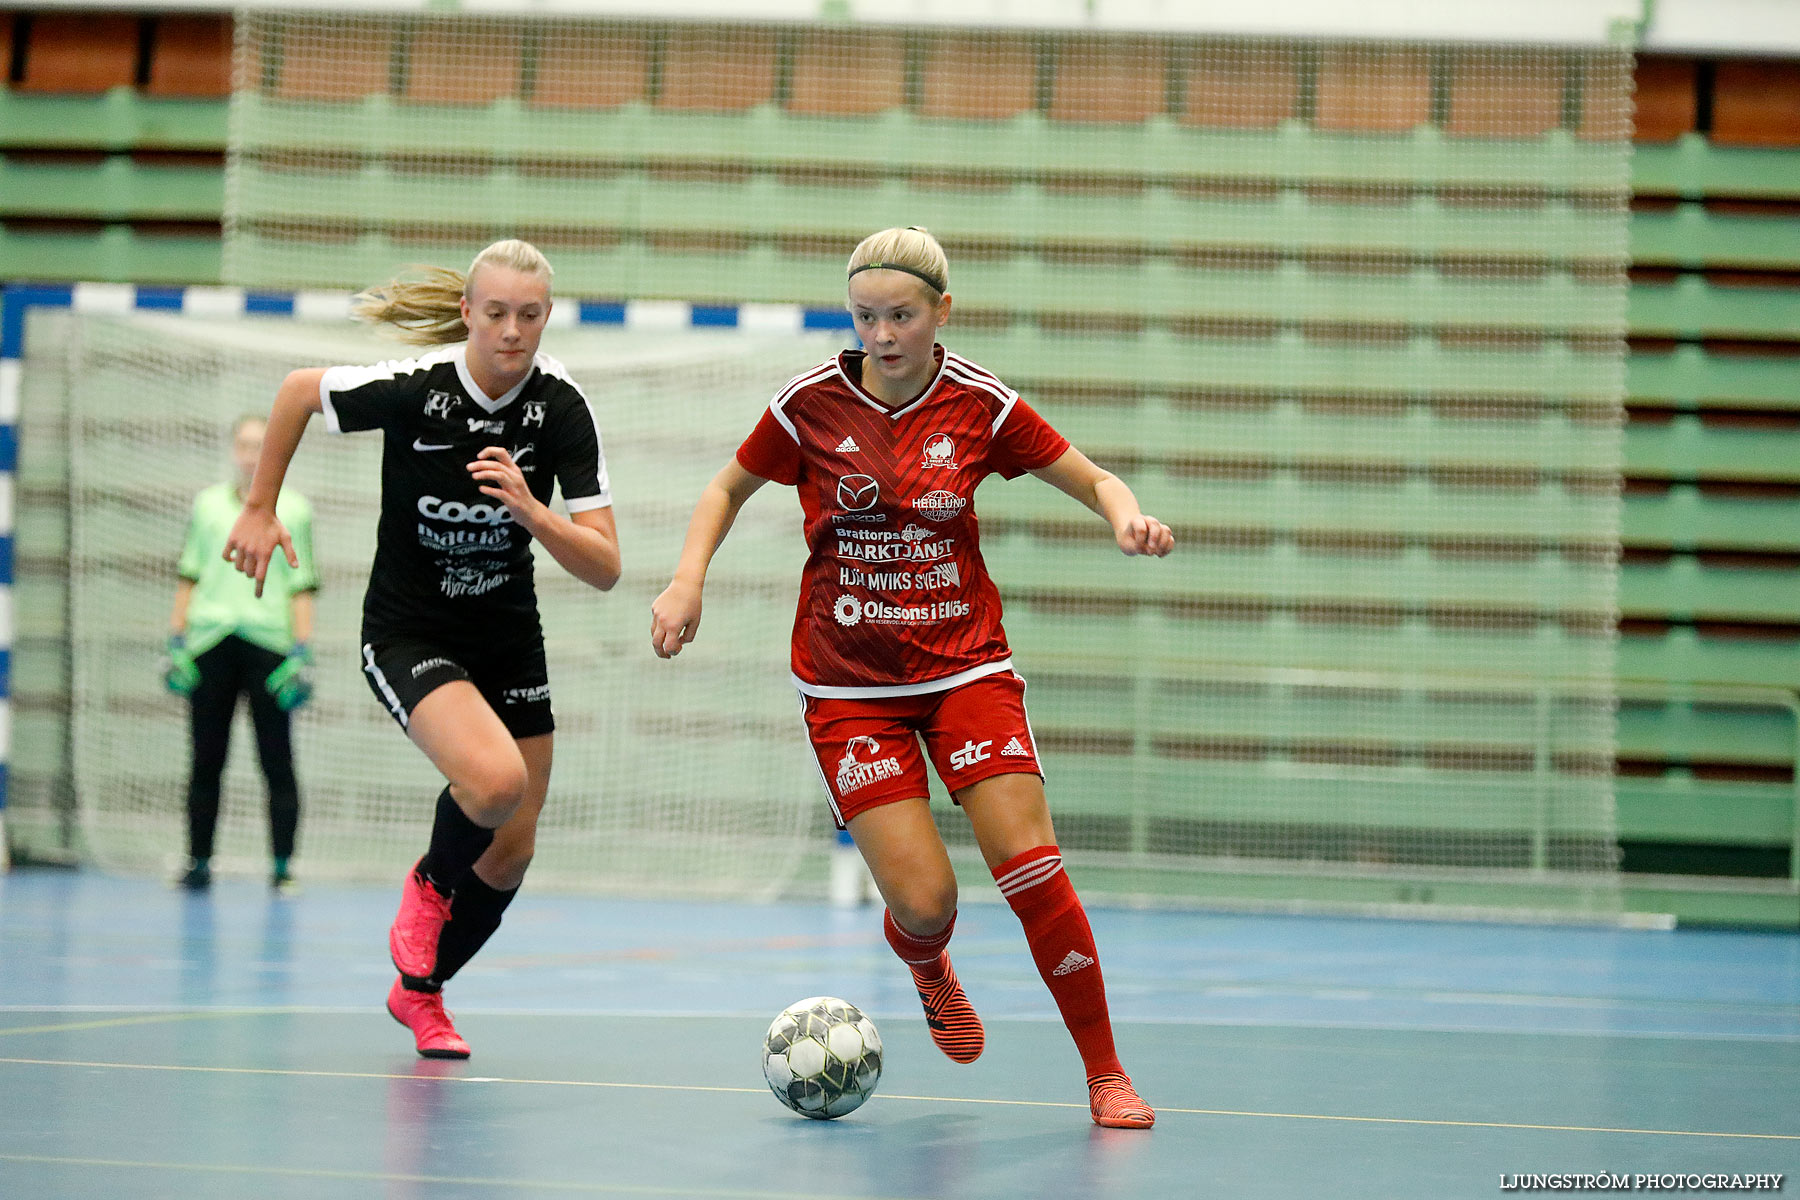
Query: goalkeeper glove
[[289, 683], [180, 675]]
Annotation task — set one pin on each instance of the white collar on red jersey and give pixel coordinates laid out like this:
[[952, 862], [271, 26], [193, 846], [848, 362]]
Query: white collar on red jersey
[[862, 393]]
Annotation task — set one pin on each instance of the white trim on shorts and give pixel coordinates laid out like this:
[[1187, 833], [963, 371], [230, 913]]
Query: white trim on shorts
[[381, 683], [885, 692], [837, 814], [1029, 731]]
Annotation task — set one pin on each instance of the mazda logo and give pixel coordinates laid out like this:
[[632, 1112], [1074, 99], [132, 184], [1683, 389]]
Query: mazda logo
[[858, 492]]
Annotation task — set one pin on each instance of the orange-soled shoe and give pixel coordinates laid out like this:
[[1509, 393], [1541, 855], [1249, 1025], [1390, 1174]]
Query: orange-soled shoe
[[424, 1014], [949, 1015], [413, 937], [1116, 1104]]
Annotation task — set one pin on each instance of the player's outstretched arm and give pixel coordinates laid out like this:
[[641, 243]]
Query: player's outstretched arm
[[675, 615], [256, 534], [1074, 473]]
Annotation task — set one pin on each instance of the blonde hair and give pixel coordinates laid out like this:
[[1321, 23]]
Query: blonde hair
[[427, 310], [912, 250]]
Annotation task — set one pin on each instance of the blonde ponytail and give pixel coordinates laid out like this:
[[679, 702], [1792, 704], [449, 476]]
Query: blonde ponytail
[[427, 310]]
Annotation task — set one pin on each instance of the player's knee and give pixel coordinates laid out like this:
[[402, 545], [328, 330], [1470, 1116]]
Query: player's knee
[[924, 906], [491, 794]]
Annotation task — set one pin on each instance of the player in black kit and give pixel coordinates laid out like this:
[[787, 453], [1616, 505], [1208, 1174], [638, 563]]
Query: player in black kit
[[475, 434]]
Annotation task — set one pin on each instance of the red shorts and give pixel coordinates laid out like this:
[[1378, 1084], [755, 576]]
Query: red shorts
[[868, 750]]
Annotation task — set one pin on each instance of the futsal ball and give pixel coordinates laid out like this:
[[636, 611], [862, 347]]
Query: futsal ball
[[822, 1057]]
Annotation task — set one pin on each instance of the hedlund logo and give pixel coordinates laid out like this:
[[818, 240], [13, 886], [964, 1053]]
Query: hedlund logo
[[456, 512], [939, 505]]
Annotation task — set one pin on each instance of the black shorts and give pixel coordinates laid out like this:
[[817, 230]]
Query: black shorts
[[510, 675]]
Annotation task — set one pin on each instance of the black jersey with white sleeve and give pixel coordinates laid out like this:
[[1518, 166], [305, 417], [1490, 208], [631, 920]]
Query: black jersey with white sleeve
[[450, 560]]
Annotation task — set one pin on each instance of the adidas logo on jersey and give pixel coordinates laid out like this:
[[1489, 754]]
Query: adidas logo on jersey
[[849, 446], [1015, 749], [1073, 962]]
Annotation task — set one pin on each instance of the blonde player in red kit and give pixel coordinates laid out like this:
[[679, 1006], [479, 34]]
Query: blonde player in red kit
[[897, 638]]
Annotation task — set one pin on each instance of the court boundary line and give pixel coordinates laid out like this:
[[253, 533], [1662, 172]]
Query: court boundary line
[[695, 1087], [170, 1011], [629, 1189]]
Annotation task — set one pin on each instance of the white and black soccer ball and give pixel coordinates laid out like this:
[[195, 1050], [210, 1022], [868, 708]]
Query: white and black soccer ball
[[822, 1057]]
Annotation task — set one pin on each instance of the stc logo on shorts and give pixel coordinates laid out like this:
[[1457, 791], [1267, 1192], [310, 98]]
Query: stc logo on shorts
[[854, 772], [458, 513], [858, 493], [970, 753]]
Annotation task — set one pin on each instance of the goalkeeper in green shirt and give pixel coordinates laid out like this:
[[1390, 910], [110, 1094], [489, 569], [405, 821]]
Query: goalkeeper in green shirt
[[226, 641]]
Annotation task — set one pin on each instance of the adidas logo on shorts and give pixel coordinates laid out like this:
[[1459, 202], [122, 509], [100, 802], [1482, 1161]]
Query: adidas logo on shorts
[[1015, 749], [849, 446], [1073, 962]]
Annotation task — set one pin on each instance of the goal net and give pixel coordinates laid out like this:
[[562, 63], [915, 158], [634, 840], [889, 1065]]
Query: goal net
[[1349, 315], [688, 777]]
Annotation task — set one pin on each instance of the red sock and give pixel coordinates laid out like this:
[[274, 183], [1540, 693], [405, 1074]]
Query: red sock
[[1062, 945], [922, 954]]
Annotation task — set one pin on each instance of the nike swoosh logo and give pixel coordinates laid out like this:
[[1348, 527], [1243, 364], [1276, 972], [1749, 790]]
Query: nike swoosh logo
[[422, 444]]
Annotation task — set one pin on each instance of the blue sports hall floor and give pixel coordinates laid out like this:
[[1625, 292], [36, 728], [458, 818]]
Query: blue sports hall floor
[[157, 1044]]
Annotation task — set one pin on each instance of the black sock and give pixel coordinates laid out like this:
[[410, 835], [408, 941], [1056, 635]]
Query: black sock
[[475, 913], [456, 842]]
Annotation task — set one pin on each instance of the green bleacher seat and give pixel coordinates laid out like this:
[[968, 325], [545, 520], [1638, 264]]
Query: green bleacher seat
[[1157, 217], [114, 188], [1281, 573], [1694, 168], [1690, 235], [1685, 516], [119, 120], [1284, 501], [1285, 639], [1692, 376], [1686, 588], [1157, 149], [1289, 432], [1695, 307], [1687, 447], [1676, 731], [1675, 807], [1683, 654], [111, 253]]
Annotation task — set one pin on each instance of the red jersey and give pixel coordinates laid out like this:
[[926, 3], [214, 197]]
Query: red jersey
[[895, 600]]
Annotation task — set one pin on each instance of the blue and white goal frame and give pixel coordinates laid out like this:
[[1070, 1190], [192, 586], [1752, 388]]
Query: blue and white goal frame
[[18, 299]]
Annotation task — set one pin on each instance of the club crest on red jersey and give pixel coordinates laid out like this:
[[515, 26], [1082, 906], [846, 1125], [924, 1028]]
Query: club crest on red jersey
[[940, 451], [858, 493]]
